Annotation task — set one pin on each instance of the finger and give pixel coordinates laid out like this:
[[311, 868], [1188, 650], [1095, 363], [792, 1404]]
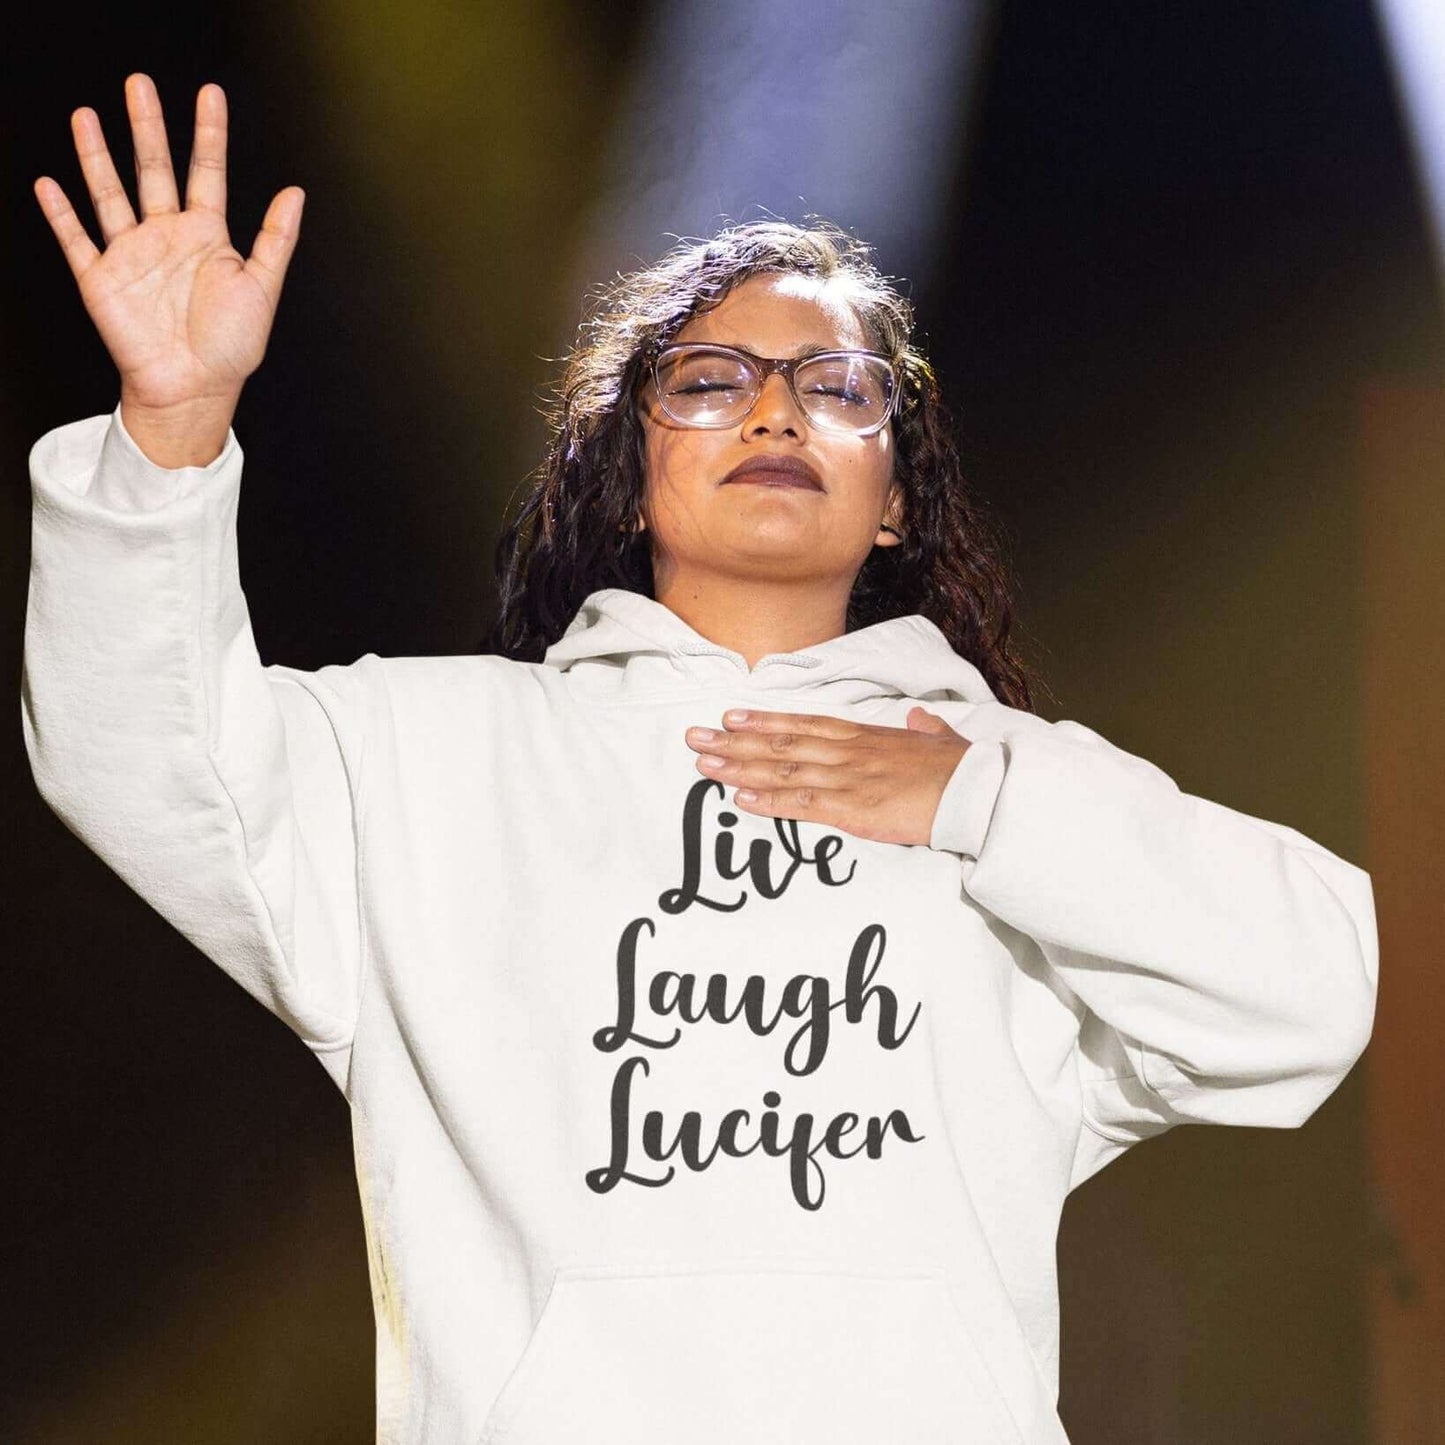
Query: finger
[[802, 804], [772, 773], [276, 240], [80, 251], [766, 744], [813, 724], [155, 180], [107, 195], [206, 179]]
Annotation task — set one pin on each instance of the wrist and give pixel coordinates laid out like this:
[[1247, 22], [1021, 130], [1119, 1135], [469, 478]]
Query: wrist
[[180, 434]]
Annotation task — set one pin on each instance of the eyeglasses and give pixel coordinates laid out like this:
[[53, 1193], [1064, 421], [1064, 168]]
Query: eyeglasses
[[705, 385]]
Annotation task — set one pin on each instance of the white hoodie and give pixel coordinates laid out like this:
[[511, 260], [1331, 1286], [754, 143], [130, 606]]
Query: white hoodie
[[676, 1123]]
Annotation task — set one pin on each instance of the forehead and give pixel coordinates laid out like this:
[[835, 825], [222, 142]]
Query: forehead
[[778, 315]]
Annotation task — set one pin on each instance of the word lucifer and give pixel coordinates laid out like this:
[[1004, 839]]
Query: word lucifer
[[805, 996]]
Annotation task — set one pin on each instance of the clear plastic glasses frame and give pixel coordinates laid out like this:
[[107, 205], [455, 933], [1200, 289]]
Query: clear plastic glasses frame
[[759, 368]]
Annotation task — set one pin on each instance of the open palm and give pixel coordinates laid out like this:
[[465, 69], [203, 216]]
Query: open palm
[[183, 314]]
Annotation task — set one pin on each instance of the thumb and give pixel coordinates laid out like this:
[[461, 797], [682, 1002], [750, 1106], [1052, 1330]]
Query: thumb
[[276, 240], [920, 720]]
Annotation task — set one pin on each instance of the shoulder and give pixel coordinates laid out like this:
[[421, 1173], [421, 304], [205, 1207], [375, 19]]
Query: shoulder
[[444, 680]]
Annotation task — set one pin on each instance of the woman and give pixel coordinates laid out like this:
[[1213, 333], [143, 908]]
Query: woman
[[707, 1085]]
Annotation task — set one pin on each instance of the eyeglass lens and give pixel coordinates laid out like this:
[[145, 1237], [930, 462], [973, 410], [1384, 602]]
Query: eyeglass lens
[[703, 387]]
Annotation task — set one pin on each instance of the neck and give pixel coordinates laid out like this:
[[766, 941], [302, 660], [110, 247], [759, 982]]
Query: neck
[[756, 618]]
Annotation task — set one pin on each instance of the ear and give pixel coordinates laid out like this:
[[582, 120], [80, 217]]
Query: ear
[[892, 517]]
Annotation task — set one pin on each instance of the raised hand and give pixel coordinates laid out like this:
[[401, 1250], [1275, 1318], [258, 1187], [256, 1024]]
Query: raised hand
[[184, 315]]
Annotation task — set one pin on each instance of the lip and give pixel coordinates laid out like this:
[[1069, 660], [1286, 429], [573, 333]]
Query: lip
[[778, 471]]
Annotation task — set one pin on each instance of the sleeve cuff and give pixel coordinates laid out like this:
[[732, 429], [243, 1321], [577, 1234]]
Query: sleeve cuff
[[966, 807], [126, 480]]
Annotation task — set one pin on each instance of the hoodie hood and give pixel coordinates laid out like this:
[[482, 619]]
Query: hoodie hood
[[625, 643]]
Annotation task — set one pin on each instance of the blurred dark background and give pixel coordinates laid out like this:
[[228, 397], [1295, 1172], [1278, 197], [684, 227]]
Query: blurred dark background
[[1175, 272]]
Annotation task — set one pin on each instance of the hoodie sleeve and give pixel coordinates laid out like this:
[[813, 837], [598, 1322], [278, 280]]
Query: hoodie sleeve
[[1227, 965], [223, 792]]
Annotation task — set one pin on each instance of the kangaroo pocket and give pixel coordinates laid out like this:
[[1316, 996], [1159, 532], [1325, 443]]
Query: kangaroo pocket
[[749, 1353]]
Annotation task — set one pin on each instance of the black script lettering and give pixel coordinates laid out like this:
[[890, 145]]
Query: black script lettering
[[675, 900], [759, 860], [611, 1039], [827, 848], [599, 1181], [860, 989], [804, 996], [798, 1146]]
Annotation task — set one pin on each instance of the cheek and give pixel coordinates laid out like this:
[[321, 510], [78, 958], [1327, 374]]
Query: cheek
[[883, 466], [661, 464], [883, 455], [868, 468], [678, 462]]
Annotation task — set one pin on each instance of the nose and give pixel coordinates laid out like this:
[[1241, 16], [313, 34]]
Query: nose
[[775, 411]]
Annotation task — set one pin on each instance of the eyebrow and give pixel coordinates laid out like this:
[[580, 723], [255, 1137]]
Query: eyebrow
[[810, 348]]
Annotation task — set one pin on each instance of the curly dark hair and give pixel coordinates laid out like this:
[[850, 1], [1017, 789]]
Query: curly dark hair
[[573, 532]]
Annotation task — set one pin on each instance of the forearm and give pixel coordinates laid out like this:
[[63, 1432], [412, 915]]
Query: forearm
[[213, 786], [1236, 958]]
